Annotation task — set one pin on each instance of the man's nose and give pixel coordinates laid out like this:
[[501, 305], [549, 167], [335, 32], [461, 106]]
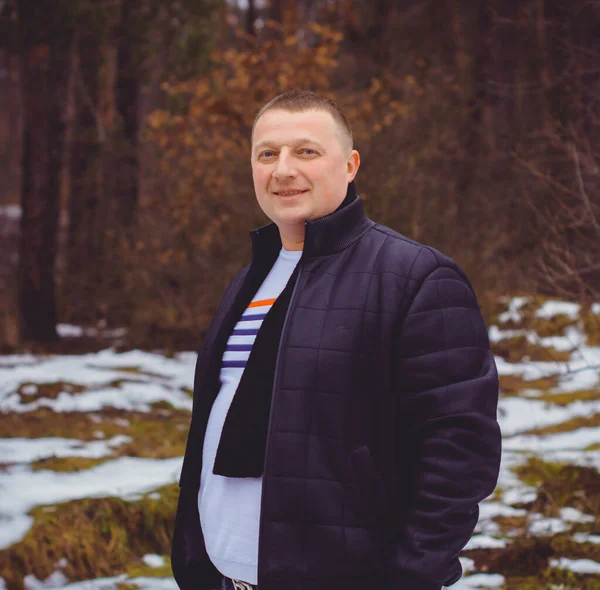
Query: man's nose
[[284, 168]]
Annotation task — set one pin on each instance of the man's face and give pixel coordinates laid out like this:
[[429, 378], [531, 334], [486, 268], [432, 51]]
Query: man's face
[[300, 166]]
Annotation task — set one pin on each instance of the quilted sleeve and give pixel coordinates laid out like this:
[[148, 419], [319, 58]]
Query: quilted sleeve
[[447, 394]]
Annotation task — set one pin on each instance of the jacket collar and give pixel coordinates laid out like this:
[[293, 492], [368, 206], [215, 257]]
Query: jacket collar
[[323, 236]]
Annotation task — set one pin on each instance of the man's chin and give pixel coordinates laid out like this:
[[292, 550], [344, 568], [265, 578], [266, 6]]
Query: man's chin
[[291, 218]]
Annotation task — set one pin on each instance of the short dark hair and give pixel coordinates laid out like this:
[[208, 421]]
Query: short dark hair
[[298, 101]]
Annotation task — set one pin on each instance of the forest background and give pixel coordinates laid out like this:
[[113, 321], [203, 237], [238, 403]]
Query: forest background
[[124, 147]]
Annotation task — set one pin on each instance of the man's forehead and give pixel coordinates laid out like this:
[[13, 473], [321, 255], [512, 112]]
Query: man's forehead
[[278, 124]]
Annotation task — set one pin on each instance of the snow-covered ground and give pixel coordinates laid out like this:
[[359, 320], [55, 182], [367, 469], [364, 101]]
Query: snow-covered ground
[[134, 380]]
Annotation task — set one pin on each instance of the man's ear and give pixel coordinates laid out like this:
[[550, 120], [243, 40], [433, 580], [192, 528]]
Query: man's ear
[[353, 164]]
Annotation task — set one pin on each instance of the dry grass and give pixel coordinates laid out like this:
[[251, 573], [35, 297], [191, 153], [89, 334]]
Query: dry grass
[[160, 434], [525, 563], [97, 536], [518, 348], [564, 399], [568, 426], [591, 326], [48, 390], [513, 385], [561, 485]]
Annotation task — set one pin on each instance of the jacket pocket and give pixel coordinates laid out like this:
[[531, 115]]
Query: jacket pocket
[[373, 497]]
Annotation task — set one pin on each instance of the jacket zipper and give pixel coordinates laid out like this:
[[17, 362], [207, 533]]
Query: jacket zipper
[[275, 376]]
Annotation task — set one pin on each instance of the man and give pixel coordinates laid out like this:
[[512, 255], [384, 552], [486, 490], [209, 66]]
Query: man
[[344, 420]]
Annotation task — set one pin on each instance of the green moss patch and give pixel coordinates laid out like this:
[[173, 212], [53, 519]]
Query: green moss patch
[[130, 369], [561, 485], [140, 569], [98, 536], [67, 464], [159, 434]]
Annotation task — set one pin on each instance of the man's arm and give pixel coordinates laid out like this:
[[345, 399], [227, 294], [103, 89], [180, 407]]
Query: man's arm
[[447, 388]]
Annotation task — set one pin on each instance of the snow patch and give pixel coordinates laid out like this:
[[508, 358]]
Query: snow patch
[[516, 414], [484, 542], [153, 560], [576, 439], [26, 450], [21, 488], [577, 566], [479, 581], [512, 313], [550, 309]]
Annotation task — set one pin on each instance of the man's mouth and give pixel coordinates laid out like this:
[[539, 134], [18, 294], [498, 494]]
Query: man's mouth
[[289, 193]]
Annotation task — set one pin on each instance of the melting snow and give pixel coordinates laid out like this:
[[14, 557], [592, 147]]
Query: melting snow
[[516, 414], [575, 439], [550, 309], [26, 450], [577, 566], [21, 488], [153, 560], [157, 378]]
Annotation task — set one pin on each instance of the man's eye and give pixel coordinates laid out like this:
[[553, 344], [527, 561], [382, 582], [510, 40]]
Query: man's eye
[[266, 154]]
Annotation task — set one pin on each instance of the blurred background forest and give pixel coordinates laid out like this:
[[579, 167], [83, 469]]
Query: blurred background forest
[[126, 194]]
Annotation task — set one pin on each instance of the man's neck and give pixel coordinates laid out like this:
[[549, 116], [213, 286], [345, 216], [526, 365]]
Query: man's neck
[[291, 244]]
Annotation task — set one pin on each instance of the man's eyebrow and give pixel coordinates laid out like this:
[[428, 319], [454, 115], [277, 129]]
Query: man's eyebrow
[[268, 143]]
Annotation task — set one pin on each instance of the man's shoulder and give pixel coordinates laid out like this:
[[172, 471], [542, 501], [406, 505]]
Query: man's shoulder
[[413, 259]]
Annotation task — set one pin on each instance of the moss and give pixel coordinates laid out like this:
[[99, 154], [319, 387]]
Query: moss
[[591, 327], [158, 434], [553, 579], [568, 426], [544, 327], [554, 326], [564, 546], [162, 405], [515, 384], [48, 390], [67, 464], [130, 369], [98, 537], [516, 348], [525, 556], [508, 524], [140, 569], [525, 563], [560, 485]]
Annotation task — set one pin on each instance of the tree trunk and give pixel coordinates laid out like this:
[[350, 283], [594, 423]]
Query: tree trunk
[[84, 242], [45, 77], [250, 18], [476, 97], [127, 93]]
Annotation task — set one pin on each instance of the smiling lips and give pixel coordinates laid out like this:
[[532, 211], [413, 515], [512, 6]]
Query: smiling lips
[[289, 193]]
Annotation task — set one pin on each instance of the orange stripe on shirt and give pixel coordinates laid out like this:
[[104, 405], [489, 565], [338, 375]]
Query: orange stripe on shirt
[[261, 303]]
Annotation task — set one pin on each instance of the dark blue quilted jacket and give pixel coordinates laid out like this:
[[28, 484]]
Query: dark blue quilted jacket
[[382, 435]]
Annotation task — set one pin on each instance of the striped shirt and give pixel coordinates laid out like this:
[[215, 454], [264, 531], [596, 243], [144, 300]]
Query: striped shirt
[[242, 338], [229, 507]]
